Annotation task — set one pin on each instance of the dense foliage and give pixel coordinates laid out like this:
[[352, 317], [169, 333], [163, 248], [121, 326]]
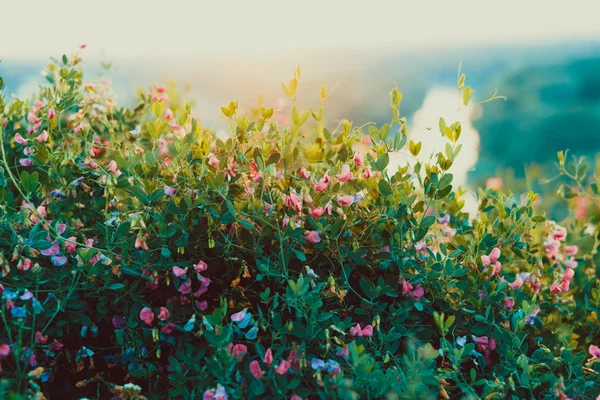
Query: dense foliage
[[142, 256]]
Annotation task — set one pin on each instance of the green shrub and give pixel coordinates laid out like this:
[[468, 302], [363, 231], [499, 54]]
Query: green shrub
[[144, 257]]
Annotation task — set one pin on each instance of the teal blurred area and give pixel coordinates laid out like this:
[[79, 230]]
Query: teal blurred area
[[552, 90]]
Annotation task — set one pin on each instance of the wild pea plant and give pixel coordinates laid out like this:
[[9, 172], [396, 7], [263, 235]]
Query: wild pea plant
[[143, 257]]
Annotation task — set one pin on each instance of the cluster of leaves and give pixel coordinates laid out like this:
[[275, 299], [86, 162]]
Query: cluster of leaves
[[143, 256]]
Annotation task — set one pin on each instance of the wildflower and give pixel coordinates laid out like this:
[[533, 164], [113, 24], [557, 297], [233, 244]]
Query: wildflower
[[368, 173], [4, 350], [345, 200], [240, 316], [283, 367], [517, 283], [594, 351], [213, 161], [51, 113], [43, 137], [20, 139], [237, 350], [147, 315], [345, 175], [417, 292], [317, 364], [201, 266], [164, 314], [255, 369], [508, 302], [356, 330], [304, 173], [317, 212], [322, 184], [312, 237], [358, 160], [571, 250], [169, 191], [178, 271], [268, 358], [26, 162]]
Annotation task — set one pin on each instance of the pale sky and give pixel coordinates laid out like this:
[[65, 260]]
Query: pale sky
[[186, 28]]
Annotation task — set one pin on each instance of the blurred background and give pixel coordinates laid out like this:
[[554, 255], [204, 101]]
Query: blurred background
[[543, 56]]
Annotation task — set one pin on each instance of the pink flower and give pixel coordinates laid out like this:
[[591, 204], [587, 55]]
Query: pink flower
[[304, 173], [20, 139], [357, 158], [356, 330], [178, 271], [482, 340], [517, 283], [70, 244], [494, 254], [555, 287], [164, 314], [283, 367], [112, 166], [140, 242], [322, 184], [213, 161], [168, 114], [43, 137], [571, 250], [31, 117], [313, 237], [285, 221], [317, 212], [508, 302], [5, 350], [406, 287], [237, 350], [346, 175], [147, 315], [26, 162], [368, 173], [185, 288], [421, 247], [295, 397], [268, 359], [417, 292], [559, 233], [239, 317], [568, 274], [345, 200], [169, 191], [51, 113], [571, 263], [294, 201], [201, 266], [255, 369], [24, 264], [594, 351]]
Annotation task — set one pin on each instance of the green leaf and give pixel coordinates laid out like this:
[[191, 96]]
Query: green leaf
[[116, 286]]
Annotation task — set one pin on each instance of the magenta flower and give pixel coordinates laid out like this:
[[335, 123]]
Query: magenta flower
[[201, 266], [255, 369], [178, 271], [594, 351], [295, 397], [147, 315], [237, 350], [313, 237], [185, 288], [417, 292], [268, 359], [283, 367], [239, 317], [4, 350], [356, 330], [164, 314], [26, 162], [508, 302], [170, 191]]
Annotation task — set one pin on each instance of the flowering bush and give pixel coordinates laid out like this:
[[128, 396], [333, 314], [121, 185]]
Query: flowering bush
[[142, 256]]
